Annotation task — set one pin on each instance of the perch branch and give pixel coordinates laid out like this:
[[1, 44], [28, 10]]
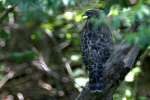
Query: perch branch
[[118, 65]]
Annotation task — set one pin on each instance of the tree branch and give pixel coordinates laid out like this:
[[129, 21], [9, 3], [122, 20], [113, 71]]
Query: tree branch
[[118, 65], [6, 12]]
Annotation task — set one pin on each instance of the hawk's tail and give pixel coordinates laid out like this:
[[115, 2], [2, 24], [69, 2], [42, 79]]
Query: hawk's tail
[[96, 81]]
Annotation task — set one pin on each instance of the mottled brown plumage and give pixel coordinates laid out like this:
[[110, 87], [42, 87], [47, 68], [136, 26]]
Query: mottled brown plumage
[[96, 46]]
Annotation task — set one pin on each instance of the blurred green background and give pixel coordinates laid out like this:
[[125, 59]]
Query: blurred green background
[[40, 56]]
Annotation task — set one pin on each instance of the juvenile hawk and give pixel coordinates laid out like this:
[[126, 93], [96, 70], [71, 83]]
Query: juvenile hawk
[[96, 46]]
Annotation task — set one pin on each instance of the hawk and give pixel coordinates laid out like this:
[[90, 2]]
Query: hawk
[[96, 47]]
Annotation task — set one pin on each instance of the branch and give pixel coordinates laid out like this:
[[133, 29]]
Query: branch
[[6, 12], [118, 65], [41, 65]]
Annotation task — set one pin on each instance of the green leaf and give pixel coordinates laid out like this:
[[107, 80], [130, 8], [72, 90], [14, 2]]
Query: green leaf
[[4, 35], [20, 57]]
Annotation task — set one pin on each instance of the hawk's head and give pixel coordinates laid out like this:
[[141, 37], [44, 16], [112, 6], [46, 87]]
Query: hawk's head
[[91, 13]]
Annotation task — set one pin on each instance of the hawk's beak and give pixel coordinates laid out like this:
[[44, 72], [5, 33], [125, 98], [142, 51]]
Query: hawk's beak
[[84, 16]]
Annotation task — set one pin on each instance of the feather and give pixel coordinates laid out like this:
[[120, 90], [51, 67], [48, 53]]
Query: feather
[[96, 47]]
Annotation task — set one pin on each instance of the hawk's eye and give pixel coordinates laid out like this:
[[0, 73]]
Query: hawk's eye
[[90, 13]]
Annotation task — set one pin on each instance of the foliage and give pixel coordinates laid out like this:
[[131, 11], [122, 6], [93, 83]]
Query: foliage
[[63, 20]]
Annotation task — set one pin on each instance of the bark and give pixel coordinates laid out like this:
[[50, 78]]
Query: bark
[[118, 65]]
